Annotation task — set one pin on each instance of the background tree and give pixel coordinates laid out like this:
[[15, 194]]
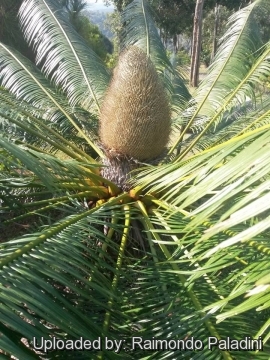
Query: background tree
[[74, 8], [231, 6], [94, 38], [119, 4], [167, 14], [213, 29], [196, 44], [113, 23], [197, 32]]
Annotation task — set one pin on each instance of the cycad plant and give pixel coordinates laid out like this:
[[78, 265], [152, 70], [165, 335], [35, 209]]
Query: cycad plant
[[130, 209]]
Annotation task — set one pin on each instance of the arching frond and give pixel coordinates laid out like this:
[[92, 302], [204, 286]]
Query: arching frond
[[20, 77], [26, 82], [211, 183], [241, 119], [74, 66], [51, 171], [230, 82], [30, 124], [76, 295], [241, 41]]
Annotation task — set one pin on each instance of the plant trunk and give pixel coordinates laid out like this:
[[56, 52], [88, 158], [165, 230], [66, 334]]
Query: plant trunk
[[214, 50], [196, 44]]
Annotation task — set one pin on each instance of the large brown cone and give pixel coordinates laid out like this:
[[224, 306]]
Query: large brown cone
[[135, 114]]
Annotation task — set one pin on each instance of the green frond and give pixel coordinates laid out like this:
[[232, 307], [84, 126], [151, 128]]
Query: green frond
[[74, 67], [233, 123], [23, 79], [218, 273], [28, 124], [51, 171], [242, 41], [230, 81], [55, 120], [50, 291], [26, 82], [253, 79], [216, 178], [46, 288]]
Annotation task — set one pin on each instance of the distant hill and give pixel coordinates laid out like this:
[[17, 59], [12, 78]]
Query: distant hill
[[98, 17], [98, 5]]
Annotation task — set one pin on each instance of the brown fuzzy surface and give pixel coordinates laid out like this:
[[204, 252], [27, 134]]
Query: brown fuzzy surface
[[135, 114], [117, 169]]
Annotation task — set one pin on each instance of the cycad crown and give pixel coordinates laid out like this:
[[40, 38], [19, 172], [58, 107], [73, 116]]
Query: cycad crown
[[135, 114]]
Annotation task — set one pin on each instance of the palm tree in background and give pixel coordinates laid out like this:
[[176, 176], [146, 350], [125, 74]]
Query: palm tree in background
[[118, 224], [74, 8]]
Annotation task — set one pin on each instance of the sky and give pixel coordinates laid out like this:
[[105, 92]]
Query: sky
[[98, 5]]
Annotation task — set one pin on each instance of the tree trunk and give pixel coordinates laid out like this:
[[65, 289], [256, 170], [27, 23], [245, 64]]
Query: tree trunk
[[196, 44], [175, 47], [215, 32]]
